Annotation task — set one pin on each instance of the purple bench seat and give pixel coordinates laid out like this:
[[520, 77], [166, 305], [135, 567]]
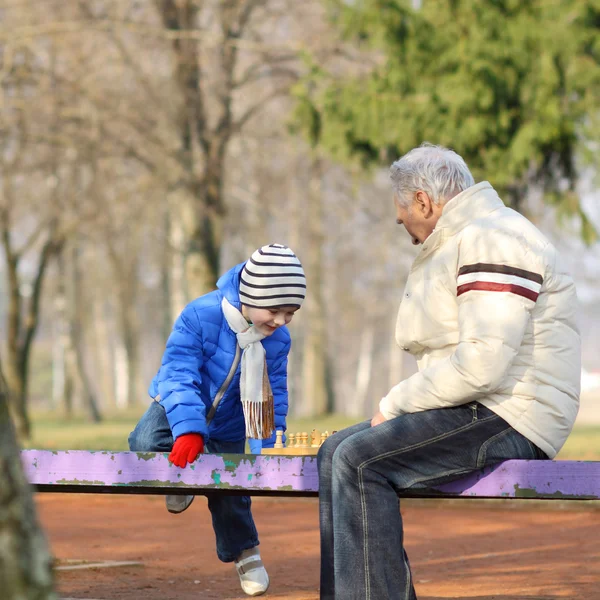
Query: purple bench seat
[[82, 471]]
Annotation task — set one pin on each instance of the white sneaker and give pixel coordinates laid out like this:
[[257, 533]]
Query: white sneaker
[[252, 572], [177, 504]]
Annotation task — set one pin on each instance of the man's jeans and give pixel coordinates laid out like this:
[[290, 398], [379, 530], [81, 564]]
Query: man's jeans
[[362, 468], [231, 516]]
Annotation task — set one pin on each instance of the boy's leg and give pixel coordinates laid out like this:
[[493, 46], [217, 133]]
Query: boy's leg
[[231, 515], [237, 538], [153, 434], [412, 451]]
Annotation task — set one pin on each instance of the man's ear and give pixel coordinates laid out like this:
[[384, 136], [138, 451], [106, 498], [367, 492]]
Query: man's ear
[[424, 203]]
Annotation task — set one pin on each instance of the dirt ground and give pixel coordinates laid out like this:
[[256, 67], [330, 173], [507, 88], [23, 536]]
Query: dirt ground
[[458, 549]]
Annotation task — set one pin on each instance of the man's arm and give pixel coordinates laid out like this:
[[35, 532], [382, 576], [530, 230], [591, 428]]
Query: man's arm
[[496, 293]]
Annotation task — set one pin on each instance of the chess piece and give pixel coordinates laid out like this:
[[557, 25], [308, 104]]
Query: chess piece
[[315, 439], [279, 439], [291, 440]]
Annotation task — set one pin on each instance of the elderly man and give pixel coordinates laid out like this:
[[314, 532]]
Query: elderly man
[[489, 313]]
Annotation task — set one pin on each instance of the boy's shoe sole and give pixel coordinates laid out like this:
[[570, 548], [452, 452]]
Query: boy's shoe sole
[[177, 504]]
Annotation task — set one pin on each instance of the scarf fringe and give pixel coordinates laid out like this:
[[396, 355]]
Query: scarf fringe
[[260, 416]]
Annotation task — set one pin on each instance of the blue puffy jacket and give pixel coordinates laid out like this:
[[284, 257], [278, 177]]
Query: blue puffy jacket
[[198, 357]]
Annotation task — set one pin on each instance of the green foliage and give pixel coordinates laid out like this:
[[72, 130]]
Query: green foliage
[[512, 85]]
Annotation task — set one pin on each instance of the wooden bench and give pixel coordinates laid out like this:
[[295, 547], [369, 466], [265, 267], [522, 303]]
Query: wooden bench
[[80, 471]]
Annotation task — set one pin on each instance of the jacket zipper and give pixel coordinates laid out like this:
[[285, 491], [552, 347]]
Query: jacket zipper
[[223, 388]]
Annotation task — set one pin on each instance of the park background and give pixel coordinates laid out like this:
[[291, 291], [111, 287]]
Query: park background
[[148, 145]]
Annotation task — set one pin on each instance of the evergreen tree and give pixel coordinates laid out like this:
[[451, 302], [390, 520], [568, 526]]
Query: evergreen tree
[[511, 85]]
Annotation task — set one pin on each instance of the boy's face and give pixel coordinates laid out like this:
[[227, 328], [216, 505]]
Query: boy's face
[[267, 320]]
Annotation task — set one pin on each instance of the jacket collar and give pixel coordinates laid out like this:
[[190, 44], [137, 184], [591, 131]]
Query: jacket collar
[[474, 203], [229, 285]]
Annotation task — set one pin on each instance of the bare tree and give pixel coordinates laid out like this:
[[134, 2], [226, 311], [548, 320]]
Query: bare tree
[[208, 81], [165, 124], [24, 300], [73, 326], [25, 562]]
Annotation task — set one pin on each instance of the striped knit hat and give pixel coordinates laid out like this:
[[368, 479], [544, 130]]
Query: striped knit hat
[[272, 277]]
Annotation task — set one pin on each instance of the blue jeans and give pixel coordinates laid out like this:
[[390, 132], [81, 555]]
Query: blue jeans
[[231, 515], [362, 468]]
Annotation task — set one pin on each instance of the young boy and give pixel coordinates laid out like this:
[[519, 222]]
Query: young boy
[[223, 379]]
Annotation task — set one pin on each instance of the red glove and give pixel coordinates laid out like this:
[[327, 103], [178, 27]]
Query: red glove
[[186, 449]]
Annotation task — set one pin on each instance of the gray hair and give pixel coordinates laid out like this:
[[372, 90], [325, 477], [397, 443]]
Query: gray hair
[[440, 172]]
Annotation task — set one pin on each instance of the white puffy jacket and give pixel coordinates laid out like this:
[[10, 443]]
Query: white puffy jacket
[[490, 315]]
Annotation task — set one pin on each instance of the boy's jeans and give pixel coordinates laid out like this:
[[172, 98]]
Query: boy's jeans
[[232, 520], [362, 467]]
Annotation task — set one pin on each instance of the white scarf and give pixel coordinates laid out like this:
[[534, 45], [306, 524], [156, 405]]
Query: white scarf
[[255, 390]]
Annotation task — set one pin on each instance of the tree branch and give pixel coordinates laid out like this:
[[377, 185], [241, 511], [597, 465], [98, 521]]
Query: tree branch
[[250, 112]]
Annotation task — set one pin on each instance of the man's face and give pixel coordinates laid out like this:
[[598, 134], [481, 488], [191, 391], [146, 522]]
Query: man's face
[[419, 218], [267, 320]]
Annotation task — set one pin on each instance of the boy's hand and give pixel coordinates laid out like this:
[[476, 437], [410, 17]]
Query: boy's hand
[[186, 449]]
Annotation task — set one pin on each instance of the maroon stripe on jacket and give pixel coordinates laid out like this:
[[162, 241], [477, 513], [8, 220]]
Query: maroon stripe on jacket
[[504, 269], [489, 286]]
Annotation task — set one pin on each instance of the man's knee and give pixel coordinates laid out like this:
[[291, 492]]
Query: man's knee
[[346, 458], [326, 452]]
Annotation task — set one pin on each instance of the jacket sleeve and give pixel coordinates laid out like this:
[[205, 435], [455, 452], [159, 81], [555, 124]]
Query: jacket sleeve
[[278, 379], [498, 282], [180, 376]]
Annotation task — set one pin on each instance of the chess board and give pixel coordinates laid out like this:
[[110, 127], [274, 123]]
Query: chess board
[[298, 444]]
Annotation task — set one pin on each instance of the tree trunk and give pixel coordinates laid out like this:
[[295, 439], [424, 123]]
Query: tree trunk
[[76, 381], [202, 261], [201, 267], [25, 562], [58, 359], [16, 384], [361, 404], [63, 384], [22, 323], [15, 372], [121, 375], [103, 361], [89, 399], [195, 238], [131, 345], [180, 214], [127, 357], [315, 392]]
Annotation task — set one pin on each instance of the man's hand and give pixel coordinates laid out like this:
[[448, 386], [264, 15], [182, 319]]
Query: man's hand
[[377, 419], [186, 449]]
